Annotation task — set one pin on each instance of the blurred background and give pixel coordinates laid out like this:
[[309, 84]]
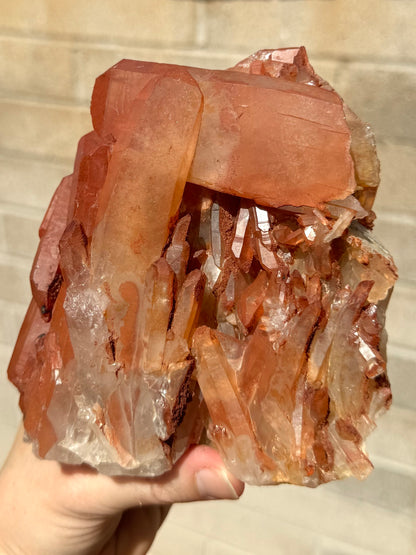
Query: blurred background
[[50, 54]]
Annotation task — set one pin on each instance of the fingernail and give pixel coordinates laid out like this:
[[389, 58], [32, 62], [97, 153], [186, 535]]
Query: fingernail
[[215, 484]]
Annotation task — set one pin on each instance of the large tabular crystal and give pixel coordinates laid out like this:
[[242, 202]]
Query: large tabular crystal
[[207, 273]]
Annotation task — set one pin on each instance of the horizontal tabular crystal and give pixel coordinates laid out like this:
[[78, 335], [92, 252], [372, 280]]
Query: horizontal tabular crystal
[[207, 274]]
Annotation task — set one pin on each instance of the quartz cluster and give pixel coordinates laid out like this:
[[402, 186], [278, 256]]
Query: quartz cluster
[[208, 274]]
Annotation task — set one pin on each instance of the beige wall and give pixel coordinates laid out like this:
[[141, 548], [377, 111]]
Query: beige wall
[[50, 53]]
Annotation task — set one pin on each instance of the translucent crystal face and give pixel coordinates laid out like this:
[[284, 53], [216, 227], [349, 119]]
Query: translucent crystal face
[[190, 287]]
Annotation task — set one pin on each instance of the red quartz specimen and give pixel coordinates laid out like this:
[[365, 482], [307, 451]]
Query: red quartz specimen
[[45, 277], [207, 274], [306, 125]]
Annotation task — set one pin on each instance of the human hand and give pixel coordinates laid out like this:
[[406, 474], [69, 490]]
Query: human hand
[[47, 508]]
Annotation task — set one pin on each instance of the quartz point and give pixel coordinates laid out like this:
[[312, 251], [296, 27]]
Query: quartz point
[[208, 274]]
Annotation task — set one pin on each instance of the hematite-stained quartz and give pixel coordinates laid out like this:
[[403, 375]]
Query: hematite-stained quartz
[[207, 273]]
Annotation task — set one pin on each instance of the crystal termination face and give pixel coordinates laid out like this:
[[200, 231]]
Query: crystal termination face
[[208, 274]]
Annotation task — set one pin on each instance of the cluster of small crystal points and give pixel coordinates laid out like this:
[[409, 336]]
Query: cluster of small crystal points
[[207, 273]]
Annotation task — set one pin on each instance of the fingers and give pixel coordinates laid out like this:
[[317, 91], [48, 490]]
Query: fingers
[[199, 475]]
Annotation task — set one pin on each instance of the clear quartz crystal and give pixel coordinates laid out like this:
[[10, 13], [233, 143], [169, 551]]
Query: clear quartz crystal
[[240, 231]]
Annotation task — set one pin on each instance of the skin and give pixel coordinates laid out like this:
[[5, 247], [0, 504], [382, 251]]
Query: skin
[[48, 508]]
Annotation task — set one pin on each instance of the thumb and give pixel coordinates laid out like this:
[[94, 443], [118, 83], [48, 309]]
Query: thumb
[[200, 474], [80, 490]]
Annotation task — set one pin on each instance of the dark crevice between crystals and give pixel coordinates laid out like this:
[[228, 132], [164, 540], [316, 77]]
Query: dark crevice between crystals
[[53, 291], [174, 416]]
